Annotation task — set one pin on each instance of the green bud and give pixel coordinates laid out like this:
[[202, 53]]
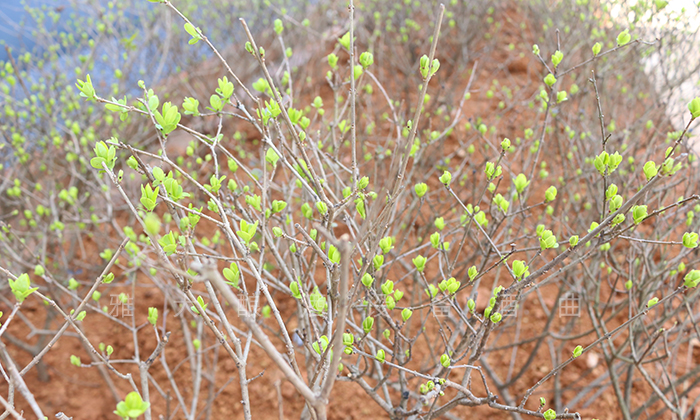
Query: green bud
[[472, 272], [367, 280], [690, 240], [153, 315], [419, 261], [624, 37], [639, 213], [692, 279], [505, 144], [550, 80], [550, 194], [366, 59], [445, 360], [367, 324], [573, 241], [278, 26], [446, 178], [556, 58], [577, 351], [650, 170], [322, 207], [388, 287], [75, 360], [390, 303], [420, 189]]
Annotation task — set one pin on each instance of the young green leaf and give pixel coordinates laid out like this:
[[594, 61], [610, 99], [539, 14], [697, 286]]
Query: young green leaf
[[556, 58], [624, 37], [690, 240], [520, 183], [694, 107], [419, 261], [232, 274], [194, 33], [388, 287], [21, 287], [168, 120], [446, 178], [86, 89], [692, 279], [650, 170], [132, 406]]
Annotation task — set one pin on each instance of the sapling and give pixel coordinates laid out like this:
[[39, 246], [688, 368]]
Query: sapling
[[244, 226]]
